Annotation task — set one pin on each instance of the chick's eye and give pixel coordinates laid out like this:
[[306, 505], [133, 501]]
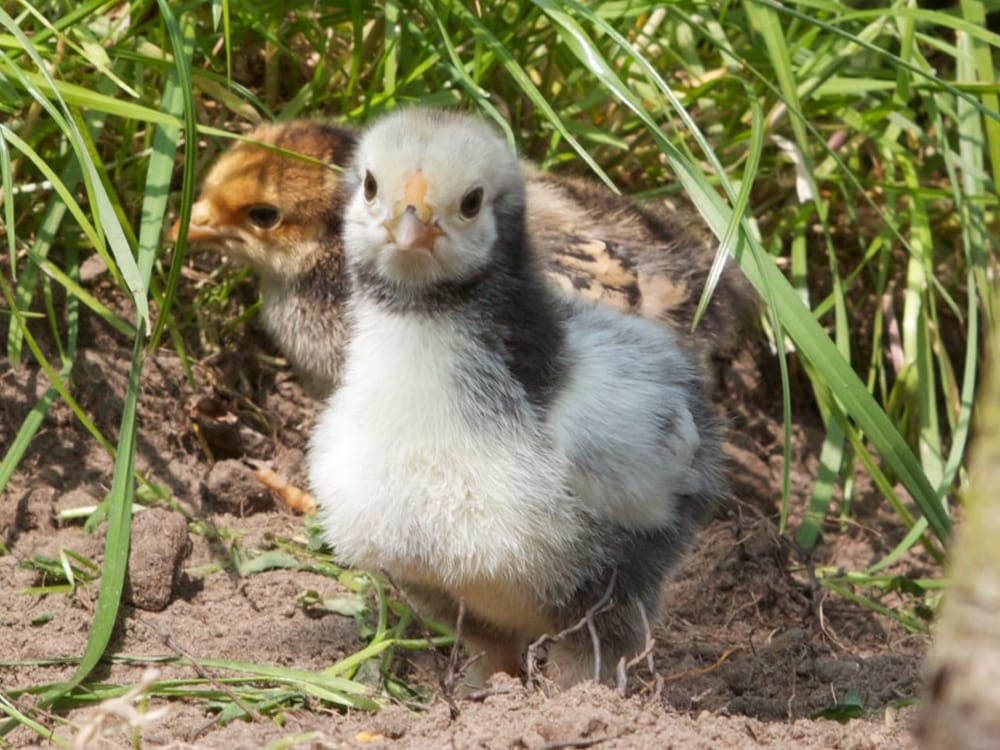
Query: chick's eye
[[371, 187], [264, 216], [471, 203]]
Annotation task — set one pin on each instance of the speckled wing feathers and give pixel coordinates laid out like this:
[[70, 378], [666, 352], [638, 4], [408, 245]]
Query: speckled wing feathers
[[641, 259]]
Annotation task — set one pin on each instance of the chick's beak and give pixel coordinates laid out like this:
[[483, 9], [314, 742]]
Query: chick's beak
[[411, 226], [202, 227]]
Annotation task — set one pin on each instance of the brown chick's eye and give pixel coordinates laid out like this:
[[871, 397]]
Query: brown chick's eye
[[371, 187], [471, 203], [264, 216]]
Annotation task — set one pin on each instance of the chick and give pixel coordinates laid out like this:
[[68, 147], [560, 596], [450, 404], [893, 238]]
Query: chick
[[492, 442], [282, 216]]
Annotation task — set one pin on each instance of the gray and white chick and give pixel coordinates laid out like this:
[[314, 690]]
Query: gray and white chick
[[492, 441]]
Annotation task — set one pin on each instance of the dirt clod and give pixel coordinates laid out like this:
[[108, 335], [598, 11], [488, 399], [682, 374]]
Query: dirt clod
[[159, 544]]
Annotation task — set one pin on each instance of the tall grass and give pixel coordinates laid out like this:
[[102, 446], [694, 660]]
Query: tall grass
[[846, 158]]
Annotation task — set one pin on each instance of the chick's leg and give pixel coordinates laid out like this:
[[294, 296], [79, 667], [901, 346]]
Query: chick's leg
[[491, 654], [609, 615], [593, 651], [489, 649]]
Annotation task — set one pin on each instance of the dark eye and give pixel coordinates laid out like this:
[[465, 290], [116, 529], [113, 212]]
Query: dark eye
[[471, 203], [371, 187], [264, 216]]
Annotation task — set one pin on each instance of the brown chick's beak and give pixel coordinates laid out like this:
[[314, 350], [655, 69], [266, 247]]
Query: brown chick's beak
[[202, 227], [410, 226]]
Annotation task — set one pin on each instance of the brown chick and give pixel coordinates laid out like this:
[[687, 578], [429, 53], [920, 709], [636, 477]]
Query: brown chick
[[282, 216]]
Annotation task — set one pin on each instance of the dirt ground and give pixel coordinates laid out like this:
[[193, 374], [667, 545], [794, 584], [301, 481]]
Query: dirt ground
[[746, 651]]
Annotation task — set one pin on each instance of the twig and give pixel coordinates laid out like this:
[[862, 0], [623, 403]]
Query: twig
[[622, 674], [658, 684], [650, 641], [479, 695], [582, 742], [736, 611], [449, 678], [291, 496], [646, 653], [595, 639], [447, 673], [173, 645], [602, 605], [677, 676]]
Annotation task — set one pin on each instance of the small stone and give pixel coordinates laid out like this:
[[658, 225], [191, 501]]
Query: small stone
[[159, 544]]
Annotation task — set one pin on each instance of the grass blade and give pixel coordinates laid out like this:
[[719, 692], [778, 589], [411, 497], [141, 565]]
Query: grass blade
[[117, 536], [180, 94]]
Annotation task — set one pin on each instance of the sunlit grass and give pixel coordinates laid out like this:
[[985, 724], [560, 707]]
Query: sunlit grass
[[847, 159]]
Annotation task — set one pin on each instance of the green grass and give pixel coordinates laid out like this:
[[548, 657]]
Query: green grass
[[847, 158]]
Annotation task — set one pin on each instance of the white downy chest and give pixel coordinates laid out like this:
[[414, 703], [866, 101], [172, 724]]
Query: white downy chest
[[409, 483]]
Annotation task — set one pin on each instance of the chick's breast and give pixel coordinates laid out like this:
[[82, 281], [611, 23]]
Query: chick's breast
[[429, 490]]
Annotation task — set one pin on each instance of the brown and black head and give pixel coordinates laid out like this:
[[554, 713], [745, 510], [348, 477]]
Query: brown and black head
[[274, 200]]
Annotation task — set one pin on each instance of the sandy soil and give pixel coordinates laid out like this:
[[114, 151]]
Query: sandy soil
[[746, 650]]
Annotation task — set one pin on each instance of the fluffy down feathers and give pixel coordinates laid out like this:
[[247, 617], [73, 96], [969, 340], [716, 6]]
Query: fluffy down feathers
[[275, 203], [491, 442]]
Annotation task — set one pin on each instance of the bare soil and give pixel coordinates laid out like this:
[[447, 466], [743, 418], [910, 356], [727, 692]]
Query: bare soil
[[746, 649]]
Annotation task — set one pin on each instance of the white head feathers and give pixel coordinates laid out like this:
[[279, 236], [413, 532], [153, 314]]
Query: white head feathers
[[432, 190]]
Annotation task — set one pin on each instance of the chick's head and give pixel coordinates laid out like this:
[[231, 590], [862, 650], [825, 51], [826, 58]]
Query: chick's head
[[273, 201], [433, 196]]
